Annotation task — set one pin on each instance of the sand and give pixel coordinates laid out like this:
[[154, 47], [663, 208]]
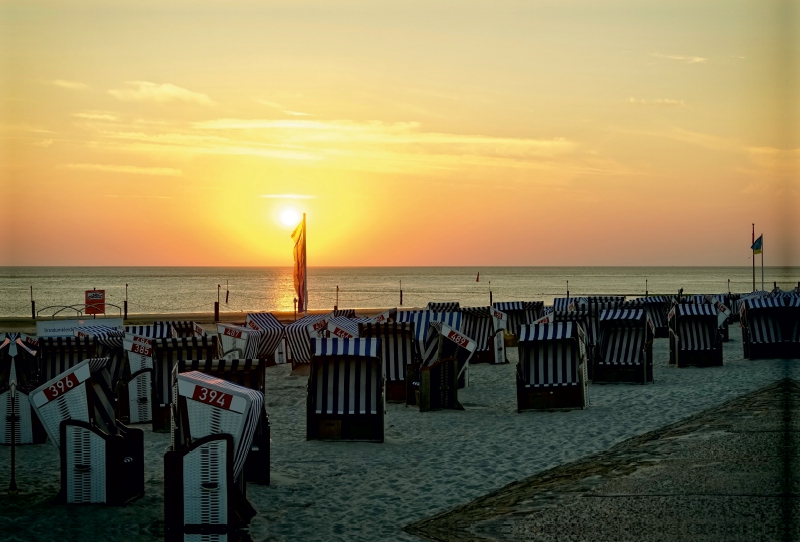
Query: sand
[[429, 463]]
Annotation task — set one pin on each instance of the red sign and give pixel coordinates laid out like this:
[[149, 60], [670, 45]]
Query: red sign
[[460, 340], [253, 325], [198, 330], [236, 334], [215, 398], [95, 301], [320, 324], [339, 332], [61, 387], [142, 350]]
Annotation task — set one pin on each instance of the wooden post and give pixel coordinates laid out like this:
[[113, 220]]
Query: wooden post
[[216, 305], [295, 309], [401, 293], [754, 257], [126, 301], [567, 289], [12, 485], [336, 307], [33, 305], [645, 287]]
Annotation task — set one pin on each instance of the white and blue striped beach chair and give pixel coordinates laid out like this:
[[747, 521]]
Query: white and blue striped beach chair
[[18, 369], [695, 339], [486, 325], [520, 313], [399, 352], [445, 367], [625, 348]]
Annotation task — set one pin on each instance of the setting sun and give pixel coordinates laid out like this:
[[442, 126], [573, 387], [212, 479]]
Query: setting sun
[[290, 217]]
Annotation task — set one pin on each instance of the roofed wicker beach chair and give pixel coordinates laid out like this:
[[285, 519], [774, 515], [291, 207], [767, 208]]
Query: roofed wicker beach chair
[[552, 369], [625, 348], [399, 353], [694, 336], [771, 327], [346, 391], [102, 460], [186, 328], [58, 354], [520, 313], [108, 341], [299, 335], [595, 305], [213, 427], [657, 307], [18, 368], [720, 302], [443, 306], [156, 330], [272, 345], [445, 359], [135, 389], [166, 353], [486, 326]]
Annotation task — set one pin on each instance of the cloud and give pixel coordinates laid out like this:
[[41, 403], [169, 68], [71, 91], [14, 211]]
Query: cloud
[[298, 114], [95, 115], [288, 196], [44, 143], [276, 105], [666, 102], [136, 170], [161, 93], [687, 59], [70, 85]]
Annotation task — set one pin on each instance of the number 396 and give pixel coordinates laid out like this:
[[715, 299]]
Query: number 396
[[61, 386]]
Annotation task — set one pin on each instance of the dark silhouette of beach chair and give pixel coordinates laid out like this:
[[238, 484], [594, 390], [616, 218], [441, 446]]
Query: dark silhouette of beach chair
[[625, 350], [520, 313], [18, 364], [486, 325], [694, 335], [399, 353], [771, 327], [445, 358], [552, 369]]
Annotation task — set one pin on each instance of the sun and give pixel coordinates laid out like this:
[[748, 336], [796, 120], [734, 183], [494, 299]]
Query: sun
[[290, 217]]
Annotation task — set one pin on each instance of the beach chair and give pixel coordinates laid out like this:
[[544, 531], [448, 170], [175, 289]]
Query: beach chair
[[520, 313], [399, 353], [186, 328], [345, 391], [299, 335], [443, 306], [771, 327], [272, 344], [251, 374], [102, 460], [342, 328], [135, 391], [156, 330], [422, 321], [594, 306], [108, 344], [486, 326], [213, 425], [695, 339], [18, 367], [552, 369], [58, 354], [625, 348], [167, 352], [445, 360], [656, 307]]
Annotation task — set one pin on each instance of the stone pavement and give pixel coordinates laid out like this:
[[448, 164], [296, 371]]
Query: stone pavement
[[727, 474]]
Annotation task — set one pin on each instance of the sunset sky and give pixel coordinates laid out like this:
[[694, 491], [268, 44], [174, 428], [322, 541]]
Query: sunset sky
[[410, 132]]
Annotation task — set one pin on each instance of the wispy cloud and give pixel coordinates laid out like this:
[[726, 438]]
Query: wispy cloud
[[276, 105], [70, 85], [687, 59], [298, 114], [665, 102], [136, 170], [161, 93], [288, 196], [44, 143], [95, 115]]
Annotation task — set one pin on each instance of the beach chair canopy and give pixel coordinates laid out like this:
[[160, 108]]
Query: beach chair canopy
[[550, 354], [444, 342], [186, 328], [398, 347], [623, 336], [443, 306], [520, 313], [564, 303], [384, 317], [343, 328], [346, 376], [696, 326], [772, 320], [272, 329], [423, 319], [346, 313], [481, 323], [155, 330], [298, 336], [109, 345]]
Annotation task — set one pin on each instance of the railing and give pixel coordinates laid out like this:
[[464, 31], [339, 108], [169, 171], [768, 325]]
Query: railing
[[80, 309]]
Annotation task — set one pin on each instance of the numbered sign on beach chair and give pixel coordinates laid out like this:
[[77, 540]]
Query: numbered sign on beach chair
[[102, 460], [695, 339], [250, 374], [166, 354], [238, 342], [486, 326], [18, 369], [445, 364], [346, 390], [135, 395], [552, 372], [398, 352], [625, 349], [771, 327], [213, 426]]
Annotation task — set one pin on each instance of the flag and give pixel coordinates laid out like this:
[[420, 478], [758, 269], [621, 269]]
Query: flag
[[300, 284], [758, 246]]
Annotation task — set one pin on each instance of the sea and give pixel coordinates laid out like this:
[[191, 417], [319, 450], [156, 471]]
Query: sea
[[156, 290]]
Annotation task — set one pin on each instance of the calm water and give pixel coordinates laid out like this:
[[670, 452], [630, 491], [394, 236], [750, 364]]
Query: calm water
[[193, 289]]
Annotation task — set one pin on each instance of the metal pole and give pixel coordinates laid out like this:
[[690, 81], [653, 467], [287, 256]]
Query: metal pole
[[762, 263], [216, 305], [645, 287], [33, 305], [126, 301], [12, 485], [336, 307], [490, 293], [567, 289], [401, 293], [754, 257]]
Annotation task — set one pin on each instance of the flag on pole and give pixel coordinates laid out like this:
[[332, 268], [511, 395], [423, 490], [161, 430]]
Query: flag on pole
[[758, 245], [300, 283]]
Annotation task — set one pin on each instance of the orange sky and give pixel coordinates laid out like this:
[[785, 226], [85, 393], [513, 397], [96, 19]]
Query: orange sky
[[415, 133]]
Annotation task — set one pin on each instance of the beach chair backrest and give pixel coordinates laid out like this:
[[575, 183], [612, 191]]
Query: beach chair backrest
[[346, 376], [478, 324], [299, 339], [272, 332], [444, 342], [157, 330], [444, 306], [398, 348], [166, 354], [186, 328], [520, 313], [550, 354], [59, 354], [623, 336], [63, 397], [763, 320], [238, 341], [248, 373], [696, 326], [109, 344]]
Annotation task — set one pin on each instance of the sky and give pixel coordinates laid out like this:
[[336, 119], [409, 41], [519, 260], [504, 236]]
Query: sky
[[569, 132]]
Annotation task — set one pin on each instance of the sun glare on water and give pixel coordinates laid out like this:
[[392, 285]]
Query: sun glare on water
[[290, 217]]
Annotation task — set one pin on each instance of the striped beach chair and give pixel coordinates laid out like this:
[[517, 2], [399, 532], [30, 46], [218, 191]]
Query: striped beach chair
[[625, 348], [156, 330], [445, 362], [56, 355], [186, 328], [346, 391], [443, 306], [108, 343], [771, 327], [213, 427], [657, 307], [18, 368], [298, 337], [486, 326], [552, 369], [272, 345], [399, 353], [166, 353], [520, 313], [694, 338], [102, 460]]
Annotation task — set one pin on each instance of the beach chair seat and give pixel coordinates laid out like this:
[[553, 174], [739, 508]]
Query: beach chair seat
[[102, 460], [444, 368], [213, 424], [552, 373], [486, 326], [695, 339], [18, 366], [345, 398], [398, 352], [625, 351]]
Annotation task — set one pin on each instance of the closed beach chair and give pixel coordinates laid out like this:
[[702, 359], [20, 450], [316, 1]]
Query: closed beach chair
[[272, 343], [346, 391], [58, 354], [102, 460], [135, 391], [399, 354], [657, 308], [625, 349], [552, 369], [299, 335], [486, 326], [167, 352], [594, 306], [771, 327], [695, 339], [108, 344], [342, 328], [18, 366], [238, 342], [520, 313], [213, 426], [186, 328], [445, 360], [156, 330]]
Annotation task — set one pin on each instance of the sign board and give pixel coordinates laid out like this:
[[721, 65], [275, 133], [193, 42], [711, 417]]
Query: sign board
[[66, 328], [95, 302]]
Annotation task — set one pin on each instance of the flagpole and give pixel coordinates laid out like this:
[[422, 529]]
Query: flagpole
[[305, 266], [762, 262], [753, 242]]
